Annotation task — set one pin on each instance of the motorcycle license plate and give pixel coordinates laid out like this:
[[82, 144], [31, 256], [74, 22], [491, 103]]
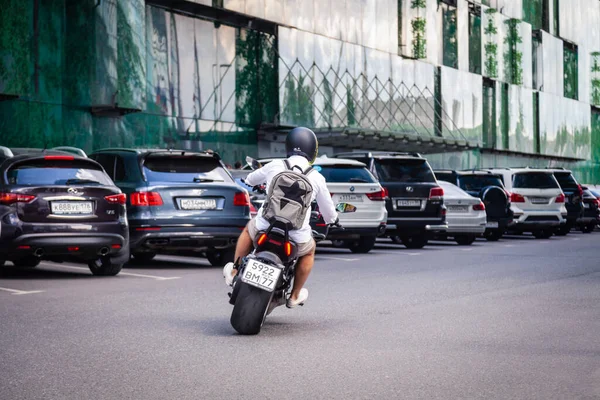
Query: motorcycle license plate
[[261, 275]]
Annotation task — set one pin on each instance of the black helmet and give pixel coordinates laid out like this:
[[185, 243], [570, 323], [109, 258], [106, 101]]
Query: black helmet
[[302, 142]]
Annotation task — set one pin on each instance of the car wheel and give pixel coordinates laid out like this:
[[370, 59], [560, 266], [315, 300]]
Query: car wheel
[[563, 230], [104, 267], [493, 236], [143, 257], [339, 243], [218, 258], [543, 234], [363, 245], [414, 242], [588, 228], [465, 240], [2, 263], [27, 262], [396, 239]]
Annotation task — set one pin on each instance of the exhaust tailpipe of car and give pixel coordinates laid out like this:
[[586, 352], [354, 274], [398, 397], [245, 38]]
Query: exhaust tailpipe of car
[[39, 252], [103, 251]]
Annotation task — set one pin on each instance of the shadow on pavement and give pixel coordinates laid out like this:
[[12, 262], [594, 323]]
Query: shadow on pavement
[[172, 262], [8, 272]]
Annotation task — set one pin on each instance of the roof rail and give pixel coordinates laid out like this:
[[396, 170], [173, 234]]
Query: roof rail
[[6, 152], [378, 153], [69, 149]]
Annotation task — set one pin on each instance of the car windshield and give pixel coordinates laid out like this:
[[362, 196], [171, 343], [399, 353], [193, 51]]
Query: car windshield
[[474, 183], [57, 172], [535, 180], [404, 170], [566, 180], [186, 168], [345, 174]]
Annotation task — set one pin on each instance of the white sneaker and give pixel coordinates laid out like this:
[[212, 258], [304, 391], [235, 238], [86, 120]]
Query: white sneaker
[[300, 300], [228, 273], [276, 302]]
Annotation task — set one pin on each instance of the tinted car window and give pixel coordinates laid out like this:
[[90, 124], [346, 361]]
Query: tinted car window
[[474, 183], [535, 180], [184, 169], [566, 180], [120, 171], [107, 161], [47, 173], [396, 170], [346, 174], [445, 176]]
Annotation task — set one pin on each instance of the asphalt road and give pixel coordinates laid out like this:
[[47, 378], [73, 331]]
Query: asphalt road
[[516, 319]]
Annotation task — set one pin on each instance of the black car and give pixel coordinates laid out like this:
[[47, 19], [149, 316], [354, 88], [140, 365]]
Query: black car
[[573, 198], [415, 204], [489, 187], [591, 212], [58, 206], [179, 202]]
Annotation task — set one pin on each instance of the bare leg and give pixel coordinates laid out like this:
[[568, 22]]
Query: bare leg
[[303, 268], [243, 246]]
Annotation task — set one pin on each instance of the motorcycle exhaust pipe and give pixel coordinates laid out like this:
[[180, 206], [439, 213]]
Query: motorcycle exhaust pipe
[[103, 251], [39, 252]]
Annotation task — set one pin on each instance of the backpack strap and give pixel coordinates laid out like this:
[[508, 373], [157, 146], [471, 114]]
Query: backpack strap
[[308, 170], [287, 164]]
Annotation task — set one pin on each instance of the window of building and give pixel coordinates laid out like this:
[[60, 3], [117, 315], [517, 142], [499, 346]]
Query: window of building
[[533, 12], [449, 33], [537, 60], [474, 39], [489, 113], [571, 70]]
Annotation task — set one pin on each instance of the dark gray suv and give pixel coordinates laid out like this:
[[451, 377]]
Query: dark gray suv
[[178, 202]]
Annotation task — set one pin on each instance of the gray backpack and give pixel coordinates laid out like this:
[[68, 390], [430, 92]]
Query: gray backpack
[[289, 197]]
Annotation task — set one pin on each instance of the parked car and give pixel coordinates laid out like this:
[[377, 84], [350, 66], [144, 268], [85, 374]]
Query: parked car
[[350, 183], [179, 202], [466, 216], [573, 192], [415, 202], [490, 189], [256, 198], [537, 200], [596, 194], [591, 214], [58, 206]]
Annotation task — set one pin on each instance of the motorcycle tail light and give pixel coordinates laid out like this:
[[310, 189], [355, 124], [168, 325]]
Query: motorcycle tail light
[[288, 249], [261, 240]]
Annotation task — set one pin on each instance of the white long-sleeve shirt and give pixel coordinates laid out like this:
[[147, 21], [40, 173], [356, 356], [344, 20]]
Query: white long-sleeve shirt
[[320, 193]]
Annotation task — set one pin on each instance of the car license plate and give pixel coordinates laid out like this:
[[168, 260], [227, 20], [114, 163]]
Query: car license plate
[[458, 208], [538, 200], [198, 204], [408, 203], [586, 205], [491, 224], [350, 197], [71, 207], [261, 275]]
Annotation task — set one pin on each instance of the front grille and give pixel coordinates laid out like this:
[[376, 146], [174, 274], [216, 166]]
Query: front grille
[[542, 218]]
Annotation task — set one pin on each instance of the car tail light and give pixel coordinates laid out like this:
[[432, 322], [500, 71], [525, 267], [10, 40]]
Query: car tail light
[[479, 207], [241, 199], [148, 228], [516, 198], [436, 193], [378, 196], [73, 248], [120, 198], [59, 158], [115, 246], [579, 190], [253, 209], [145, 199], [11, 198], [24, 247], [288, 249], [560, 198], [261, 240]]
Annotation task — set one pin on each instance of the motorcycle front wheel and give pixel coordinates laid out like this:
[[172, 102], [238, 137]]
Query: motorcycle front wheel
[[250, 309]]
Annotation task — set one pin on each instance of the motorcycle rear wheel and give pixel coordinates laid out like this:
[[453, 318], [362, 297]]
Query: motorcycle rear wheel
[[250, 309]]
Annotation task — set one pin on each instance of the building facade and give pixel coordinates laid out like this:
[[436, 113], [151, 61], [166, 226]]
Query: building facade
[[469, 83]]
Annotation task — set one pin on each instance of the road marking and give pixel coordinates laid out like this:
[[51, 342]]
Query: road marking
[[337, 258], [509, 245], [575, 238], [20, 292], [158, 278], [466, 249], [396, 253]]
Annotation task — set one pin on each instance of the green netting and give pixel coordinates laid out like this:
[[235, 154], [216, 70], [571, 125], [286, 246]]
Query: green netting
[[475, 43], [570, 60], [15, 52], [489, 115], [533, 12], [596, 138]]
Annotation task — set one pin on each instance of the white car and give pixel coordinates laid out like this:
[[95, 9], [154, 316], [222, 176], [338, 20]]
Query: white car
[[351, 183], [465, 214], [536, 199]]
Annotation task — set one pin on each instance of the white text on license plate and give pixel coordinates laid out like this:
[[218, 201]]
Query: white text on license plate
[[71, 207], [351, 197], [408, 203], [261, 275], [198, 204]]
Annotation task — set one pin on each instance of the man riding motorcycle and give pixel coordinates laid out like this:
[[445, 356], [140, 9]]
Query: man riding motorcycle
[[302, 148]]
